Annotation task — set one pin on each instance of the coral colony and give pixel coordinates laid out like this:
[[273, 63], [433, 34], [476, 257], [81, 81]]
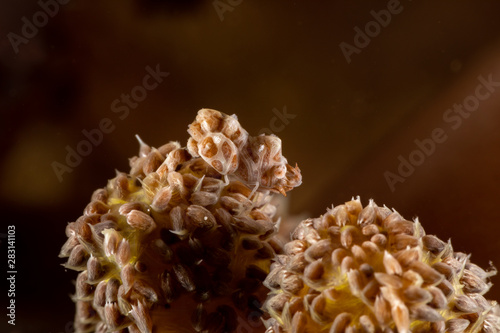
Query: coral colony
[[186, 242]]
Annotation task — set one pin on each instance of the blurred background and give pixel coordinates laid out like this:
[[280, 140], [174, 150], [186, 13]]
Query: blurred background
[[365, 107]]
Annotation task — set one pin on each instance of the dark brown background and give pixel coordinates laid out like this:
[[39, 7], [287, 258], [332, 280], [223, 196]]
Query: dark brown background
[[352, 120]]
